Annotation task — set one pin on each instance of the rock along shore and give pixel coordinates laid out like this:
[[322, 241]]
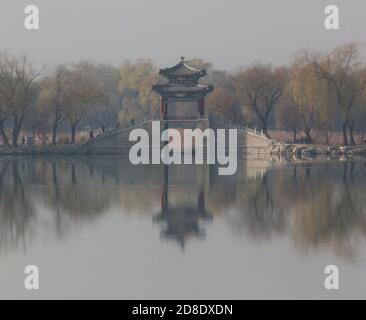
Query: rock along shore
[[308, 150]]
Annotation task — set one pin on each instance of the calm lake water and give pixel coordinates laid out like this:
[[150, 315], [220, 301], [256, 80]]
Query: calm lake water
[[102, 228]]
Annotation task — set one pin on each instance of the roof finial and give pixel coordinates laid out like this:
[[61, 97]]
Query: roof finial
[[182, 58]]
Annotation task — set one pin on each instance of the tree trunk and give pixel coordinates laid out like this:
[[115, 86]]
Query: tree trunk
[[295, 135], [15, 135], [54, 134], [351, 135], [4, 136], [309, 139], [265, 129], [73, 132], [16, 129], [327, 138], [57, 121], [345, 138]]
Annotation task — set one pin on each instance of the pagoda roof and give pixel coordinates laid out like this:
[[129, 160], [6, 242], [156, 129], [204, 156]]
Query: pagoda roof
[[182, 69], [172, 89]]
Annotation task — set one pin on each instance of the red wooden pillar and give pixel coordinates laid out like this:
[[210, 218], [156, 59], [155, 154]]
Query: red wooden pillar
[[201, 106], [162, 107], [165, 109]]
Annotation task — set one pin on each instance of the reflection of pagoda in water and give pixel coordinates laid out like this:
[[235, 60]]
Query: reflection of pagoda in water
[[181, 223]]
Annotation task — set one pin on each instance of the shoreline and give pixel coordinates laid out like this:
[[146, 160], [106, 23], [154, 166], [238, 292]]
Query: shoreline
[[276, 149]]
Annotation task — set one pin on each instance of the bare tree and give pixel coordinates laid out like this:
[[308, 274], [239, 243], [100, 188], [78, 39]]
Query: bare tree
[[18, 90], [81, 94], [288, 115], [341, 68], [224, 103], [53, 98], [260, 88], [26, 95], [137, 99], [354, 93], [312, 97], [8, 90]]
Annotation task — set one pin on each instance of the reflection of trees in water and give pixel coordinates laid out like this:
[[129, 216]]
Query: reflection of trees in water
[[253, 208], [331, 209], [75, 193], [65, 199], [16, 210], [263, 216], [319, 205], [71, 190]]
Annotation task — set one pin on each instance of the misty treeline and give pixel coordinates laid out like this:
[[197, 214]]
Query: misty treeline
[[314, 96]]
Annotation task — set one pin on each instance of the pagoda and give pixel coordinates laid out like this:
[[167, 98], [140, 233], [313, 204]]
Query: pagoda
[[182, 86]]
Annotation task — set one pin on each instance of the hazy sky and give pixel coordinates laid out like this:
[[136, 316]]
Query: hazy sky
[[228, 33]]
